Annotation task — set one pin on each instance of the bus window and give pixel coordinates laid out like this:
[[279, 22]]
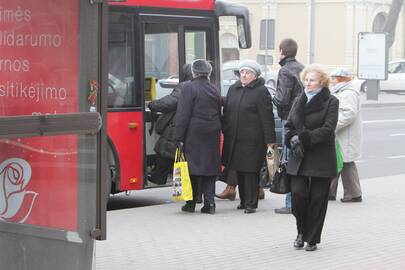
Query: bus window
[[161, 54], [121, 84], [196, 45]]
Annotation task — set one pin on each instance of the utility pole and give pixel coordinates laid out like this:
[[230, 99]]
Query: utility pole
[[311, 32], [267, 3]]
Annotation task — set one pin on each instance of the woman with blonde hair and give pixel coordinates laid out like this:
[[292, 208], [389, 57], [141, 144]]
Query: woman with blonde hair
[[312, 160]]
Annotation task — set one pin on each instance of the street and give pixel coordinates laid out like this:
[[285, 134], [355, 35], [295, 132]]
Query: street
[[383, 150]]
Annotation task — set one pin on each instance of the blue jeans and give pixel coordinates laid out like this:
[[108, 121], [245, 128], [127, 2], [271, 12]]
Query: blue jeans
[[285, 158]]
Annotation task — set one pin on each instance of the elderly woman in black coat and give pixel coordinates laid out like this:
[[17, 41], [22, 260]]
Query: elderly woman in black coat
[[312, 162], [248, 126], [198, 129], [165, 147]]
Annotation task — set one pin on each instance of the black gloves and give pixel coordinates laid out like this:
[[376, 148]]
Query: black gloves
[[296, 147], [294, 141]]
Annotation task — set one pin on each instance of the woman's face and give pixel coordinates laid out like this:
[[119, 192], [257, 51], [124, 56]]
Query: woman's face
[[246, 76], [312, 82]]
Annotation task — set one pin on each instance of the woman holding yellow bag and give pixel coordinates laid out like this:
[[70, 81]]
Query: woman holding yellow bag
[[198, 130]]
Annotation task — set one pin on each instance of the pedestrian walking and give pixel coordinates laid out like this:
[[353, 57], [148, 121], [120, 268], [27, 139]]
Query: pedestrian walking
[[348, 134], [312, 159], [249, 129], [289, 86], [165, 146], [198, 130]]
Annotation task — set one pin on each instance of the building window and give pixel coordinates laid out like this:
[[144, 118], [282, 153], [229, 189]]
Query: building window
[[267, 35], [265, 60]]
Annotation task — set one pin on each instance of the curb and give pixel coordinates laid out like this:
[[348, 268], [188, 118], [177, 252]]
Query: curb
[[366, 105]]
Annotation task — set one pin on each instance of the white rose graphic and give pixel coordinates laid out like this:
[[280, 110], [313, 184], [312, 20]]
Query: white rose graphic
[[15, 202]]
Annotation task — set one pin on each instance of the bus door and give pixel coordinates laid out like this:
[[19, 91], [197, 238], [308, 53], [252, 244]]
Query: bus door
[[167, 46], [125, 123]]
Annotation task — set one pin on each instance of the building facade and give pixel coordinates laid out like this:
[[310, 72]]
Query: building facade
[[326, 30]]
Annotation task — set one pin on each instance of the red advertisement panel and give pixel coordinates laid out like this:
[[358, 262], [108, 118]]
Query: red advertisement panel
[[39, 41], [183, 4]]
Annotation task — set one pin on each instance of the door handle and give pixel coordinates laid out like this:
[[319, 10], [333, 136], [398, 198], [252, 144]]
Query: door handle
[[133, 125]]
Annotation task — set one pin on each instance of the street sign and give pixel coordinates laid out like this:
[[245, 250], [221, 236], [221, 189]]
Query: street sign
[[372, 61]]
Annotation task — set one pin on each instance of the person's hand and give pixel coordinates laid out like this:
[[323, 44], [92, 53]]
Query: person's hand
[[298, 150], [294, 141], [180, 145]]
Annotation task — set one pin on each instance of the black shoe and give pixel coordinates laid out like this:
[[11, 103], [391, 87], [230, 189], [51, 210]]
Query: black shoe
[[331, 198], [240, 206], [299, 242], [249, 210], [208, 209], [356, 199], [283, 210], [311, 247], [188, 207]]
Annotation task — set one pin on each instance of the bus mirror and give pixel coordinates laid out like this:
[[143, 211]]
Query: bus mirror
[[241, 33], [225, 8]]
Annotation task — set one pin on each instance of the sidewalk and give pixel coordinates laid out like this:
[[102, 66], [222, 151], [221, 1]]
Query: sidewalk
[[367, 235], [384, 99]]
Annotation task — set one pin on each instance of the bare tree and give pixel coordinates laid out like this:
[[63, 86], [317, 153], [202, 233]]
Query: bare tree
[[392, 20]]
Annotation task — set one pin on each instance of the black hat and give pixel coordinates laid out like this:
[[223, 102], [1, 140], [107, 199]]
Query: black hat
[[201, 67]]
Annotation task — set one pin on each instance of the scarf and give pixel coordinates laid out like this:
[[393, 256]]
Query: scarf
[[311, 94]]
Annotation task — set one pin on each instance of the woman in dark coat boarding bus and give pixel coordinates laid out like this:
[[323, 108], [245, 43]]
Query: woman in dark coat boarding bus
[[312, 161], [248, 126], [198, 129]]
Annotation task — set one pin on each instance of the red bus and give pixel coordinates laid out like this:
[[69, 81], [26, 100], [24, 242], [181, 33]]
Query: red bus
[[148, 43]]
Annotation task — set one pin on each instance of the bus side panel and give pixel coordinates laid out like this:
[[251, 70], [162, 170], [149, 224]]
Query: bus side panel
[[126, 130]]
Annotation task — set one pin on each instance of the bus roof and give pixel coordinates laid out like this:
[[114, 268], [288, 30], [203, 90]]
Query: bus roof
[[181, 4]]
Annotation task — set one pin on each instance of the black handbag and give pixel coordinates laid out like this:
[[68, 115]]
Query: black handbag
[[281, 179]]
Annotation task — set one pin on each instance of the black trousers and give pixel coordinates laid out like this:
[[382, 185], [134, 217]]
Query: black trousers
[[248, 185], [163, 167], [204, 185], [309, 205]]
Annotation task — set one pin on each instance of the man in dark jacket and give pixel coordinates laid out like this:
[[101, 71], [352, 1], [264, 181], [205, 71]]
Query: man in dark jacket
[[198, 129], [165, 147], [289, 87]]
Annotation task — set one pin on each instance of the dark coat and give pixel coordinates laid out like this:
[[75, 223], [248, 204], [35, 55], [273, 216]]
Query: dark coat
[[248, 126], [198, 126], [289, 86], [166, 144], [314, 123]]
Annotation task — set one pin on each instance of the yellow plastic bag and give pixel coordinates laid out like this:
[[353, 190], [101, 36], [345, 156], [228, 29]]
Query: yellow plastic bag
[[182, 190]]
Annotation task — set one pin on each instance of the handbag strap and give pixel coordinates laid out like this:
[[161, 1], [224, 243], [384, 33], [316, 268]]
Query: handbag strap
[[282, 156]]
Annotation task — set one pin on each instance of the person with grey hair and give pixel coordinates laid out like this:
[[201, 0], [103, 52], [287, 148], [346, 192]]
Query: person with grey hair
[[198, 129], [249, 129], [348, 134]]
